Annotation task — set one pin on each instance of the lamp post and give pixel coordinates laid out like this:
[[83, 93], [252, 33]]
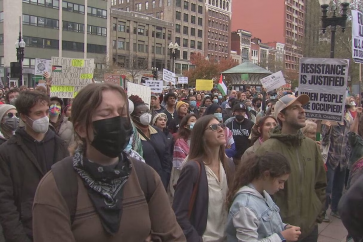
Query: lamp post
[[333, 21], [20, 46], [173, 48], [154, 71]]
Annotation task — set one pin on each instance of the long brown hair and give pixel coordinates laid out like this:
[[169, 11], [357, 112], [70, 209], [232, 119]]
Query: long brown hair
[[254, 167], [183, 132], [255, 134]]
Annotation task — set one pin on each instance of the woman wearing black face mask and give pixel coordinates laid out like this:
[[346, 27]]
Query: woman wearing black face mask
[[154, 144], [9, 122], [101, 194]]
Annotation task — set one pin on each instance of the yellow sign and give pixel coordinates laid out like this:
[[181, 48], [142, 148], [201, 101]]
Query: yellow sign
[[86, 76], [62, 89], [203, 85], [78, 63]]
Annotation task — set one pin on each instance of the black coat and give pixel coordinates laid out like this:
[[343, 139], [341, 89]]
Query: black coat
[[20, 173]]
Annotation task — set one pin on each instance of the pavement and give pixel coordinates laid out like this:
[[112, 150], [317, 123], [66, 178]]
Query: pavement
[[333, 231]]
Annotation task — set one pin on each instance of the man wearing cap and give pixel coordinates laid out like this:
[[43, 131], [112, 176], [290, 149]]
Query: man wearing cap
[[301, 202], [241, 129]]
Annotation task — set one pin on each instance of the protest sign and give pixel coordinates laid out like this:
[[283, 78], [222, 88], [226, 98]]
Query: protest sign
[[41, 66], [70, 72], [155, 86], [169, 76], [273, 81], [143, 92], [357, 36], [325, 82], [113, 78], [203, 85], [183, 80]]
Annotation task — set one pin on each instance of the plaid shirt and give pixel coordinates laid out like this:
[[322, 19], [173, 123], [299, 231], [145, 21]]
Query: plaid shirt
[[339, 149]]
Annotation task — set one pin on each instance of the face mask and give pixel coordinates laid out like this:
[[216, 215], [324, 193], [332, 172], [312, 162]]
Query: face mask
[[111, 135], [12, 101], [12, 123], [129, 145], [191, 126], [220, 97], [218, 116], [258, 105], [193, 103], [145, 119], [54, 110], [240, 118], [353, 103], [40, 125], [215, 100]]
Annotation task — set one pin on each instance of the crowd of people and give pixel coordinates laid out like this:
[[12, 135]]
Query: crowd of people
[[190, 166]]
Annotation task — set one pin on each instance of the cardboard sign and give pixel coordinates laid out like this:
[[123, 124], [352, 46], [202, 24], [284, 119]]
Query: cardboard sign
[[183, 80], [155, 86], [41, 66], [203, 85], [113, 78], [325, 82], [357, 36], [143, 92], [169, 76], [273, 81]]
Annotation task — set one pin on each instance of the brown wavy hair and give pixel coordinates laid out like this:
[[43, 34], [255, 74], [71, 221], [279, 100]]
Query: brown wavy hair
[[254, 167], [255, 134]]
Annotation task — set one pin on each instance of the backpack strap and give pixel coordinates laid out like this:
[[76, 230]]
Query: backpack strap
[[66, 179], [195, 190]]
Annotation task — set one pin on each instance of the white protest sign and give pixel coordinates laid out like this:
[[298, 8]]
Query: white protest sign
[[325, 82], [273, 81], [183, 80], [155, 86], [41, 66], [169, 76], [143, 92], [357, 36]]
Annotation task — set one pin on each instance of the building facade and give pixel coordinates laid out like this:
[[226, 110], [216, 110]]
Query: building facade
[[283, 22], [218, 21], [187, 17], [72, 28]]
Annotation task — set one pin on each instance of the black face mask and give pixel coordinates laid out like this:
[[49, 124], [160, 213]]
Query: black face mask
[[240, 118], [111, 135]]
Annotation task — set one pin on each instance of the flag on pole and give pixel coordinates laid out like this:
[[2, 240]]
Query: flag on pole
[[221, 86]]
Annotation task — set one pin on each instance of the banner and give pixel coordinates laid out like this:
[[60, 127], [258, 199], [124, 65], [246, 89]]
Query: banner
[[70, 72], [41, 66], [203, 85], [183, 80], [113, 78], [273, 81], [325, 82], [142, 91], [169, 76], [155, 86], [357, 36]]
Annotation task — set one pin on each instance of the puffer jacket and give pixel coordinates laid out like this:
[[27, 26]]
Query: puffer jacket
[[301, 200]]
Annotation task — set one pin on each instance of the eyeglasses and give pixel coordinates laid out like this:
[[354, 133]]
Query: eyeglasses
[[214, 127], [10, 115]]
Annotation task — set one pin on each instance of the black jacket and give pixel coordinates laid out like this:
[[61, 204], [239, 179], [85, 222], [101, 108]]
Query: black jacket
[[23, 163], [241, 133]]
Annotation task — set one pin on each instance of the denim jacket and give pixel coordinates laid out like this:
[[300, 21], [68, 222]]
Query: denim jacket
[[253, 217]]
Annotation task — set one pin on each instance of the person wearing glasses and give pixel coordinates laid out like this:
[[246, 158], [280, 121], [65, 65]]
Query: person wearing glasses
[[9, 122], [200, 195]]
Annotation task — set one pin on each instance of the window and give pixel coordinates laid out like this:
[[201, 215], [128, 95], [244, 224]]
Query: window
[[185, 42], [140, 47], [200, 21], [199, 45], [177, 40], [177, 28], [178, 15], [193, 7], [200, 33], [92, 48], [97, 12], [153, 3], [186, 17], [160, 3], [186, 5], [146, 5], [140, 31], [159, 49], [138, 6], [185, 55], [192, 44], [185, 30], [192, 31], [200, 9], [192, 19], [41, 43]]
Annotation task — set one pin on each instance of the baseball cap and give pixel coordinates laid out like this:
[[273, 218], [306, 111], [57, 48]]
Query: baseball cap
[[289, 99], [239, 106]]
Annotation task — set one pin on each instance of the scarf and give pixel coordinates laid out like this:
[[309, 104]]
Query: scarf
[[104, 185]]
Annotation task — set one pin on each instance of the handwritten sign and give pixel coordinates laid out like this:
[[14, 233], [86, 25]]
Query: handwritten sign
[[41, 66], [155, 86], [64, 91], [78, 63], [169, 76], [325, 82], [203, 85], [273, 81], [143, 92]]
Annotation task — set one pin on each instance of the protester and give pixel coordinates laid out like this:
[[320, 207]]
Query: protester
[[199, 99], [24, 159], [155, 105], [23, 88], [228, 111], [170, 111], [250, 201], [310, 129], [351, 110], [154, 144], [109, 187], [9, 122], [199, 201], [193, 106], [11, 96], [60, 123], [301, 203], [68, 112], [201, 110], [260, 133], [207, 101]]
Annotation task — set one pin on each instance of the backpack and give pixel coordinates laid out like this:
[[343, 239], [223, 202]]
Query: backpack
[[66, 179]]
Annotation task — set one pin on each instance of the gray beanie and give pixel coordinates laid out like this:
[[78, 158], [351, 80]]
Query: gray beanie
[[4, 108]]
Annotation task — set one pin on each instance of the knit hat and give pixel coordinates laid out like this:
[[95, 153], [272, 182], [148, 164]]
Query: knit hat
[[179, 104], [4, 108], [159, 115]]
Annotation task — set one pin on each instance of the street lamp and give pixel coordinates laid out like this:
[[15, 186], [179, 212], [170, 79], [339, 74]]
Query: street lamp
[[154, 71], [333, 21], [174, 52], [20, 46]]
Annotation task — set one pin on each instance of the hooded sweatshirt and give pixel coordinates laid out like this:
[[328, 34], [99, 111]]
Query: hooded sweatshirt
[[241, 132], [304, 193]]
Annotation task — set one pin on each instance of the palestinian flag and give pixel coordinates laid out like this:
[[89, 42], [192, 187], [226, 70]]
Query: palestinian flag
[[221, 86], [56, 68]]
